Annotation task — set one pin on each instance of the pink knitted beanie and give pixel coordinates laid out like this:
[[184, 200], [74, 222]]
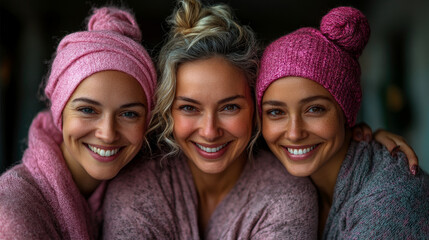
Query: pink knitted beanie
[[111, 43], [328, 56]]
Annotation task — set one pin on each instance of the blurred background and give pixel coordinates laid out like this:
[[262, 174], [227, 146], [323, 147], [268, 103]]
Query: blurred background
[[395, 63]]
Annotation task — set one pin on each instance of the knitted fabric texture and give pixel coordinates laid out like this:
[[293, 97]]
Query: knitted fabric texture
[[39, 199], [375, 197], [148, 201], [328, 56], [111, 43]]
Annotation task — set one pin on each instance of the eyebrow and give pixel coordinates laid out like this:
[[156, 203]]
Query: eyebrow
[[225, 100], [317, 97], [305, 100], [274, 103], [90, 101]]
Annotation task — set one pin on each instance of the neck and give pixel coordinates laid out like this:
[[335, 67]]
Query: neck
[[325, 179], [213, 188], [326, 176], [84, 182]]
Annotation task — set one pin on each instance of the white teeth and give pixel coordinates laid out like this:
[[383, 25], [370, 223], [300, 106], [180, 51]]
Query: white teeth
[[102, 152], [300, 151], [211, 150]]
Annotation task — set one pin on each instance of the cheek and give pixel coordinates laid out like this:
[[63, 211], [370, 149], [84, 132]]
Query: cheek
[[333, 132], [135, 133], [240, 126], [75, 128], [330, 127], [183, 126], [271, 130]]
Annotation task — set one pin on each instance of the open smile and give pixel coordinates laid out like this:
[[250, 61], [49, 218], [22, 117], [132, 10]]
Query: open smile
[[211, 149], [297, 153], [300, 151], [104, 152]]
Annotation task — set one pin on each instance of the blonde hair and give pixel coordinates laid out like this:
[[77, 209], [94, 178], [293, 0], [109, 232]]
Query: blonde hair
[[199, 32]]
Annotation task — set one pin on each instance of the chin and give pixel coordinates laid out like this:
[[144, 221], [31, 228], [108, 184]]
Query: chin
[[103, 174], [211, 168], [300, 171]]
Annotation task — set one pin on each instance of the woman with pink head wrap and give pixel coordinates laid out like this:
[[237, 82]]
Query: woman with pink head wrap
[[100, 89]]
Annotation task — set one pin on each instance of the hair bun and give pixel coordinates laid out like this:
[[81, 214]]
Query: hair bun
[[348, 28], [186, 17], [113, 19]]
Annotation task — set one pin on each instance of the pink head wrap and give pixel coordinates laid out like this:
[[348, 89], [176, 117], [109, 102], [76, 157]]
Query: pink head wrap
[[111, 43], [328, 57]]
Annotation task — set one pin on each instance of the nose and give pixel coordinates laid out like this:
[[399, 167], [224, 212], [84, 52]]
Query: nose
[[107, 129], [209, 128], [296, 129]]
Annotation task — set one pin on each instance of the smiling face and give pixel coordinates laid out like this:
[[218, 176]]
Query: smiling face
[[103, 125], [212, 111], [303, 126]]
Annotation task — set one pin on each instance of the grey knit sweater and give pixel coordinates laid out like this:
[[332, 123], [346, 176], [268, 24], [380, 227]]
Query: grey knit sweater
[[376, 197]]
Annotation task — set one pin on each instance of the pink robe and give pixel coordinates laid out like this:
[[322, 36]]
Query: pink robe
[[149, 201], [39, 199]]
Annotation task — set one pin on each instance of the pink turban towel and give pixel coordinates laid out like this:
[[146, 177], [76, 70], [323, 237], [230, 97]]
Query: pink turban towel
[[111, 43]]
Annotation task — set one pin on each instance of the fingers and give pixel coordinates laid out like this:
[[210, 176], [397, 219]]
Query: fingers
[[394, 151], [395, 143], [382, 137], [357, 134], [413, 161], [362, 132], [367, 132]]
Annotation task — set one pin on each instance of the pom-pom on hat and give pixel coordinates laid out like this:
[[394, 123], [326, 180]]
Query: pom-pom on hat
[[328, 56], [110, 43]]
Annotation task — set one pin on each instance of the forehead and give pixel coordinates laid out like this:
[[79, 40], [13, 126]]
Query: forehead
[[295, 88], [211, 76], [110, 85]]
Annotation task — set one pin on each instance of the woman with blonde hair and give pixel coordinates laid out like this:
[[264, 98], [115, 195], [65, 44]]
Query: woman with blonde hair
[[206, 183]]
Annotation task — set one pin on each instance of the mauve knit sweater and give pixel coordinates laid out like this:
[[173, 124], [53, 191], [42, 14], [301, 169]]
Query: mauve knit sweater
[[39, 199], [376, 197], [147, 201]]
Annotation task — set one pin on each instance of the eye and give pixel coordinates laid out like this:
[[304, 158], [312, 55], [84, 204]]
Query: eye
[[130, 114], [231, 108], [273, 113], [86, 110], [316, 109], [187, 108]]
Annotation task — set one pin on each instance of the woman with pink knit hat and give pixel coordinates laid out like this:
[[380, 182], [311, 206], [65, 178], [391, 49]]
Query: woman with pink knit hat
[[100, 90], [309, 94]]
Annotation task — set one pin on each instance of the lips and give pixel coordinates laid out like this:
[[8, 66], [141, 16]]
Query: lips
[[300, 153], [209, 149], [103, 152], [211, 152]]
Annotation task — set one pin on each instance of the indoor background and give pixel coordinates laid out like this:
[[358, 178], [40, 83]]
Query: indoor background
[[395, 63]]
